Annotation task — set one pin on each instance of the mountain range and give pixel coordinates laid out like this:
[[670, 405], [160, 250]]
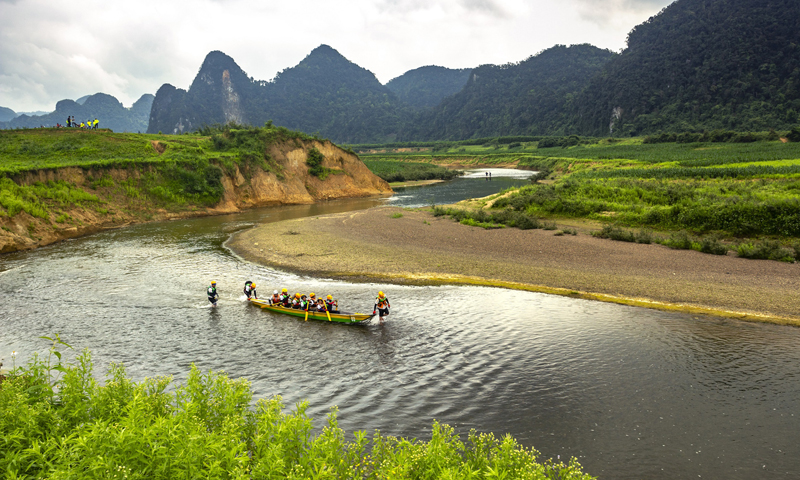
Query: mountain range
[[107, 109]]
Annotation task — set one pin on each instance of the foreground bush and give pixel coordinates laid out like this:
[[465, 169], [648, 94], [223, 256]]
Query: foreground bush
[[57, 422]]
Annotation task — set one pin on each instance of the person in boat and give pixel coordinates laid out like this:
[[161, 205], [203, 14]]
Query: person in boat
[[275, 299], [304, 302], [213, 296], [296, 301], [250, 289], [381, 305], [312, 300], [286, 299], [331, 304], [321, 306]]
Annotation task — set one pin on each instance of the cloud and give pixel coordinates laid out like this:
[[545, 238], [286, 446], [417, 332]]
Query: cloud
[[618, 13], [55, 50]]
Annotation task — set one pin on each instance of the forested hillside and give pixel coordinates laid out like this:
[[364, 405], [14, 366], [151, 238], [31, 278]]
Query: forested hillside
[[425, 87], [697, 65], [107, 109], [325, 93], [701, 64], [533, 97]]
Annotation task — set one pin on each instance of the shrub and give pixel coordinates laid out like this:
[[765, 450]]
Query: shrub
[[679, 241], [766, 250], [614, 232], [713, 246], [57, 421]]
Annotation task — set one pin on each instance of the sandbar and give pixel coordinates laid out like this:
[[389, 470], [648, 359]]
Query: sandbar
[[404, 246]]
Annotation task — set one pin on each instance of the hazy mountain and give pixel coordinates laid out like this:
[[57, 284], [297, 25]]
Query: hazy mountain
[[107, 109], [701, 64], [324, 93], [532, 97], [82, 100], [427, 86], [6, 114]]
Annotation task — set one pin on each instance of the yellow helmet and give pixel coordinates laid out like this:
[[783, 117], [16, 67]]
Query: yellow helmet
[[253, 285], [284, 290], [312, 294], [297, 295], [213, 282], [380, 294], [330, 297]]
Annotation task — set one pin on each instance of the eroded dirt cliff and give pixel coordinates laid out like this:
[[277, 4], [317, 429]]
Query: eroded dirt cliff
[[119, 204]]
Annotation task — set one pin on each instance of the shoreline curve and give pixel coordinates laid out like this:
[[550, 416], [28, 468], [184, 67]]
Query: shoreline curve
[[413, 247]]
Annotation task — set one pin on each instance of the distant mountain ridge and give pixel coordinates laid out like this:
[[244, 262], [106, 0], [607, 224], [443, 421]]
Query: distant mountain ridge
[[697, 65], [107, 109], [532, 97], [324, 93], [701, 64], [426, 87]]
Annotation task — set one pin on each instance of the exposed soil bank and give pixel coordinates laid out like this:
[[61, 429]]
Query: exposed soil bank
[[349, 178], [418, 248]]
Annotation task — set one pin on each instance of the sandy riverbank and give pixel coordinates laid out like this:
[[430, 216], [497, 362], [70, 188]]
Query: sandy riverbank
[[418, 248]]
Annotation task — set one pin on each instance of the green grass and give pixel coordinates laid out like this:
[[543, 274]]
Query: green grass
[[57, 421], [394, 170], [184, 170]]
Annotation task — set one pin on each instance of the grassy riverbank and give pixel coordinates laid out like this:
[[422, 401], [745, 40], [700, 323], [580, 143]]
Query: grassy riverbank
[[736, 192], [57, 421], [62, 183]]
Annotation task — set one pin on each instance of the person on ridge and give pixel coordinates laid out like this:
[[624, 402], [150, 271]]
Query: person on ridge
[[331, 304], [250, 289], [213, 296], [381, 305], [275, 299], [95, 123], [69, 122]]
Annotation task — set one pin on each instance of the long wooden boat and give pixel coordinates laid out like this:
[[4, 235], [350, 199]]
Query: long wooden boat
[[341, 317]]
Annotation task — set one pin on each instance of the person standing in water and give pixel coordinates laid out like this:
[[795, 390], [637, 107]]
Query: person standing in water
[[213, 296], [381, 305], [250, 289]]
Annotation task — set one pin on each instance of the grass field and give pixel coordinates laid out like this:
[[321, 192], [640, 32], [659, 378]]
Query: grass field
[[167, 171], [709, 196]]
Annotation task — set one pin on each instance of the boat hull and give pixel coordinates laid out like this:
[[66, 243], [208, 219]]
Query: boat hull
[[342, 317]]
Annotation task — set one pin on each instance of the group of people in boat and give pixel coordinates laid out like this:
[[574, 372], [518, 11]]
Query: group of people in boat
[[301, 302], [297, 302]]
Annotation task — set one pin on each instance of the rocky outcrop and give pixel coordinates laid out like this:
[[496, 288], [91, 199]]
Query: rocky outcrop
[[348, 177]]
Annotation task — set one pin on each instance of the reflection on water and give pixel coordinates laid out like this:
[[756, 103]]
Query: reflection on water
[[633, 393]]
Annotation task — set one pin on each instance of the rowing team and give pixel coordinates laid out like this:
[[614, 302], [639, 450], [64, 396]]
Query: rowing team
[[302, 302]]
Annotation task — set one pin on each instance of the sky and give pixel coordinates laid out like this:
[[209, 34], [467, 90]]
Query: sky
[[51, 50]]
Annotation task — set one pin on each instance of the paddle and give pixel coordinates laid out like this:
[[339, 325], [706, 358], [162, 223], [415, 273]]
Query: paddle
[[328, 313], [306, 311]]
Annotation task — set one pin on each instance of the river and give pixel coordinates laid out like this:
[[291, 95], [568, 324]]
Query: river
[[632, 393]]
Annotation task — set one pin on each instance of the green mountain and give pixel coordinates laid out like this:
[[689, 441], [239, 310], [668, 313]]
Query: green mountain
[[107, 109], [701, 64], [6, 114], [533, 97], [426, 87], [324, 93]]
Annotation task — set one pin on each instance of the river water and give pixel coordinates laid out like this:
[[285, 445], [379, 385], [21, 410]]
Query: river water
[[632, 393]]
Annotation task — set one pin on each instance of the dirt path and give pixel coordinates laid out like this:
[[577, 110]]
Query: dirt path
[[419, 248]]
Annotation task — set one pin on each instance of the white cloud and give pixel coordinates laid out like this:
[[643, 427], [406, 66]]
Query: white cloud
[[55, 50]]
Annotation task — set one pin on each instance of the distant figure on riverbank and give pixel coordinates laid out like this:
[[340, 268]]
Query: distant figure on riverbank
[[213, 296], [381, 305]]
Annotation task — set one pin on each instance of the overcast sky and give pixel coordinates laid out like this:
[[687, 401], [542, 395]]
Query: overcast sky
[[51, 50]]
